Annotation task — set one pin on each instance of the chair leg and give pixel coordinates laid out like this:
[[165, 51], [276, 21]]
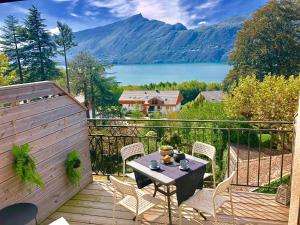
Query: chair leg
[[180, 214], [231, 203], [136, 220], [114, 210]]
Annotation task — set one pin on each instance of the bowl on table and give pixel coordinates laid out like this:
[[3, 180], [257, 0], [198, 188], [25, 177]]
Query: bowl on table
[[167, 159], [166, 150]]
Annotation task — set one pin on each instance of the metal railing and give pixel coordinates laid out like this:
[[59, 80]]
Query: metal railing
[[260, 151]]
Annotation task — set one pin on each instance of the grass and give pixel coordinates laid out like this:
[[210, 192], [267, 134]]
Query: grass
[[274, 185]]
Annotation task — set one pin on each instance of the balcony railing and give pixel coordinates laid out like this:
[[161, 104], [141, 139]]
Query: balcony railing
[[260, 151]]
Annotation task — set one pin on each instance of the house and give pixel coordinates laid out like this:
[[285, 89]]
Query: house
[[150, 101], [211, 96]]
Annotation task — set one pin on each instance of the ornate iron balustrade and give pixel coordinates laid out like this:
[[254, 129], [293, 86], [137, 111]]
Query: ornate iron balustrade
[[261, 151]]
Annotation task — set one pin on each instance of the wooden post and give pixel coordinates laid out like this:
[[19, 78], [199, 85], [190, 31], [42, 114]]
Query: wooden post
[[294, 212]]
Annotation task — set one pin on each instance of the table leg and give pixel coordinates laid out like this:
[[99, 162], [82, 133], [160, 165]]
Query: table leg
[[155, 189], [169, 205]]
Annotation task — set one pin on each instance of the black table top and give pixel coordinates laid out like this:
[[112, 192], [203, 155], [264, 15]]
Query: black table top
[[18, 214]]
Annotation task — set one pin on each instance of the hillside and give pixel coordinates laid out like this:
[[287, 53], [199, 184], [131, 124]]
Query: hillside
[[139, 40]]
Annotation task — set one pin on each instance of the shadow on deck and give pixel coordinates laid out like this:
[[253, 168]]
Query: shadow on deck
[[93, 205]]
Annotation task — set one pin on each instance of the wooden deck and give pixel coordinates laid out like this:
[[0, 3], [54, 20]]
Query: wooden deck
[[93, 205]]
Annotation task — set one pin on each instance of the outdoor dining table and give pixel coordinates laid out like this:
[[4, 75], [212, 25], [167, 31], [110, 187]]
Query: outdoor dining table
[[186, 182]]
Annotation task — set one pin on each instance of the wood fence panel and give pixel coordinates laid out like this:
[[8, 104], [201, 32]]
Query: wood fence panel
[[53, 124]]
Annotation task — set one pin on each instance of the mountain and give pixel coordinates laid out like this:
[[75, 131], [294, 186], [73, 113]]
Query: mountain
[[140, 40]]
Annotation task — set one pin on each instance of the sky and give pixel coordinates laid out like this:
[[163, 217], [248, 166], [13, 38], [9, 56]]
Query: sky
[[84, 14]]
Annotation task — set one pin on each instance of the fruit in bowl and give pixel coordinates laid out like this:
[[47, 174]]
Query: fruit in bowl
[[167, 159], [166, 150]]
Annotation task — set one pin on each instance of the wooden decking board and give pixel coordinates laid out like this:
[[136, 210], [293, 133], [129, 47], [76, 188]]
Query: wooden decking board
[[93, 205]]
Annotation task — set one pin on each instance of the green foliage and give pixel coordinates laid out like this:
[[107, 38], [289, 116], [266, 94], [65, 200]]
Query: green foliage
[[39, 49], [274, 185], [156, 124], [136, 112], [25, 167], [275, 98], [74, 167], [10, 41], [6, 77], [104, 163], [173, 140], [88, 76], [268, 43]]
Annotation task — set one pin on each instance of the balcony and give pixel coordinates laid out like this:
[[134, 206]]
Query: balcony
[[53, 123], [93, 205]]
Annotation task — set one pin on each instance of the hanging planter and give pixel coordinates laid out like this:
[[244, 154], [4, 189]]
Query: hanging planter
[[74, 167], [25, 167]]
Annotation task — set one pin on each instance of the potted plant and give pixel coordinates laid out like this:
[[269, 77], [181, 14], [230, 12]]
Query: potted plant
[[25, 167], [74, 167]]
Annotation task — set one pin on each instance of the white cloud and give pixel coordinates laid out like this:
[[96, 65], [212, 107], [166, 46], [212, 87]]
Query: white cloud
[[207, 5], [74, 14], [90, 13], [202, 23], [169, 11], [54, 30], [62, 0], [119, 8]]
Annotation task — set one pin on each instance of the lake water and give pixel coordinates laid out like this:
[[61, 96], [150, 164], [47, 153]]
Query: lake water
[[154, 73]]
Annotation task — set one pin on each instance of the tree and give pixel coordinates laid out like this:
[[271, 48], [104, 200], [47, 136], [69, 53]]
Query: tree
[[10, 42], [88, 77], [6, 77], [39, 49], [268, 43], [275, 98], [65, 41]]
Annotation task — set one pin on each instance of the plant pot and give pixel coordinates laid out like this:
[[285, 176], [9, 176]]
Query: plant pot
[[76, 163]]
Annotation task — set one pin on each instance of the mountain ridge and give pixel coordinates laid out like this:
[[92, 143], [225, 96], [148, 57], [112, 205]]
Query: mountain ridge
[[140, 40]]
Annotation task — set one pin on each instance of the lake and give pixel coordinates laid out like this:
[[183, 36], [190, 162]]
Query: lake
[[138, 74]]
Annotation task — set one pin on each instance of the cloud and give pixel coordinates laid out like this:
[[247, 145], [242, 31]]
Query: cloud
[[90, 13], [64, 0], [54, 30], [165, 10], [207, 5], [74, 14], [202, 23], [119, 8]]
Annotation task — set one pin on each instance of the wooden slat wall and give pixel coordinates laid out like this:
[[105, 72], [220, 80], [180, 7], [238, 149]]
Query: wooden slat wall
[[294, 217], [53, 126]]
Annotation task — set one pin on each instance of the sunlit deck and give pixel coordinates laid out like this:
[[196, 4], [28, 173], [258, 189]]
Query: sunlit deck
[[93, 205]]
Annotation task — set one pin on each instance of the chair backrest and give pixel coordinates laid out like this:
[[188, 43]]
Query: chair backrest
[[204, 149], [224, 185], [123, 187], [131, 150]]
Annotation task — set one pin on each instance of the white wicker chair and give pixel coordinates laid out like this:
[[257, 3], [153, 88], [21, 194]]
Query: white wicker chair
[[128, 151], [134, 200], [210, 200], [210, 152]]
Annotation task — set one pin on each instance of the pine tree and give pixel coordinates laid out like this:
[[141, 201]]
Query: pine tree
[[65, 41], [88, 76], [11, 40], [39, 49]]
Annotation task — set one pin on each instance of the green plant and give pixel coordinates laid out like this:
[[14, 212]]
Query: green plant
[[74, 167], [25, 167], [274, 185]]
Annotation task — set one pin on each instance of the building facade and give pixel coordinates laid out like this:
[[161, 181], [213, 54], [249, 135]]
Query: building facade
[[151, 101]]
